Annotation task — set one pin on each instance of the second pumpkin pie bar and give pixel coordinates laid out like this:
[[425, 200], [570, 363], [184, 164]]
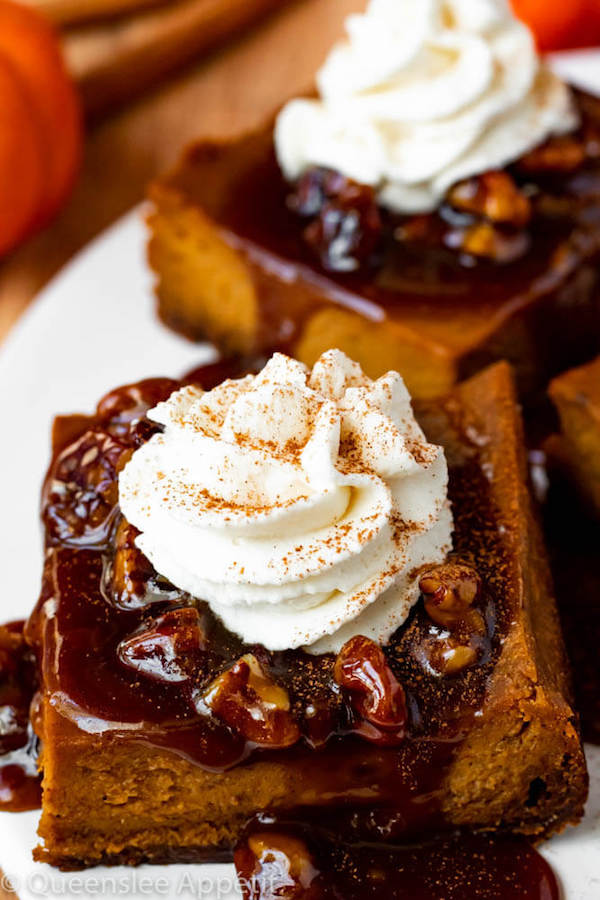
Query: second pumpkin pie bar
[[233, 266]]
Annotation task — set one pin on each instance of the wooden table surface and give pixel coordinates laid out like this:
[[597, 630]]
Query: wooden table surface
[[231, 91]]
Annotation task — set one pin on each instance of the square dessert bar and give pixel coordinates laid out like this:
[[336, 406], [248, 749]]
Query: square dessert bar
[[233, 266], [576, 395], [572, 526], [132, 772]]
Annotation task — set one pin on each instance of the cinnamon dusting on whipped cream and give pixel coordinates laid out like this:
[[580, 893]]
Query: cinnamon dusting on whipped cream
[[297, 504]]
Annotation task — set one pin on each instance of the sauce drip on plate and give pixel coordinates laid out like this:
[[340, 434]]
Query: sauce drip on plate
[[19, 780], [293, 861]]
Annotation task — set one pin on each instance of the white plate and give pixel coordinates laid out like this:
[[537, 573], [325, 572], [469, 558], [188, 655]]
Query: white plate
[[92, 328]]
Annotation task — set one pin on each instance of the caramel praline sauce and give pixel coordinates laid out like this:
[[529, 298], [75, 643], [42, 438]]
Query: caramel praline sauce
[[85, 622], [311, 861], [102, 602], [429, 285], [19, 781]]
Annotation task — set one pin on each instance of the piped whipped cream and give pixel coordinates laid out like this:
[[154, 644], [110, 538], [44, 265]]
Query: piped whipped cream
[[422, 94], [298, 504]]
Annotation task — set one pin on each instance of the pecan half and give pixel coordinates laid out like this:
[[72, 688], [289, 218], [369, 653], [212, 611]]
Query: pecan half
[[164, 647], [484, 240], [320, 721], [449, 592], [559, 155], [494, 196], [270, 865], [375, 694], [247, 699], [81, 491], [123, 410], [18, 677], [130, 569], [130, 581], [346, 226], [450, 654]]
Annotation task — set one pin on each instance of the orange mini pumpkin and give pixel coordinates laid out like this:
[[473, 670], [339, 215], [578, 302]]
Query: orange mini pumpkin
[[561, 24], [40, 124]]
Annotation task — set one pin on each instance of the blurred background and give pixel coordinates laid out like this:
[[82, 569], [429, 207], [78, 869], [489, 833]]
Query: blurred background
[[98, 96]]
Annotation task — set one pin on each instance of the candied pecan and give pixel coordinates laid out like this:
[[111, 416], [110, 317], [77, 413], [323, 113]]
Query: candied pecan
[[494, 196], [484, 241], [18, 678], [247, 699], [362, 669], [346, 226], [164, 648], [313, 189], [319, 722], [129, 580], [124, 409], [450, 654], [81, 490], [130, 570], [449, 592], [558, 155], [274, 865]]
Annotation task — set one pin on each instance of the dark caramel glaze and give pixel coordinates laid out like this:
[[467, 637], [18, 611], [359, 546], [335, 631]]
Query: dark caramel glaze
[[318, 861], [401, 274], [412, 279], [105, 617], [98, 629], [19, 781], [399, 268]]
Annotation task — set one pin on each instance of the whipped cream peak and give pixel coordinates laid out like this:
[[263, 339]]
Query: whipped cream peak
[[422, 94], [299, 504]]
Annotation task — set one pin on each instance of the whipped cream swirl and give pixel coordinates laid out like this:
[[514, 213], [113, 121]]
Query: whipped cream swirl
[[298, 504], [422, 94]]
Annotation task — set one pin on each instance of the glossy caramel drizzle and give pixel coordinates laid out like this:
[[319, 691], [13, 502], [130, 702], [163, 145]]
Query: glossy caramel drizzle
[[106, 616]]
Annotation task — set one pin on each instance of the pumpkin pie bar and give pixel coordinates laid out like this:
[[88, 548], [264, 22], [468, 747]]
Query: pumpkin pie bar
[[576, 395], [164, 731], [505, 267], [571, 512]]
